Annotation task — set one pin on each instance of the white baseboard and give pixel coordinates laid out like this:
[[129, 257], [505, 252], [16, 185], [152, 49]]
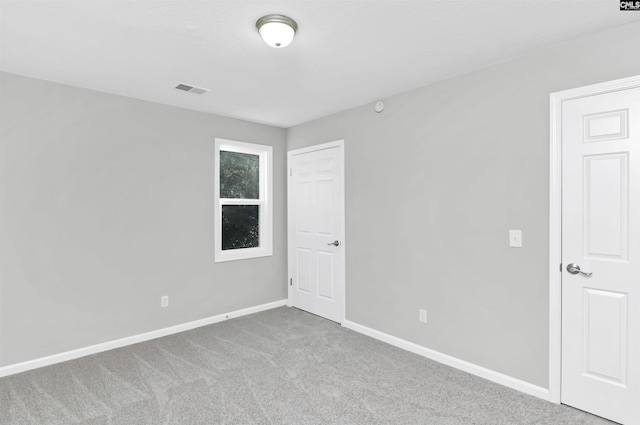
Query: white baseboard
[[454, 362], [122, 342]]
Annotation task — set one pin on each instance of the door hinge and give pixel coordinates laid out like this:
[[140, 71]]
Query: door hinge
[[560, 267], [290, 172], [290, 281]]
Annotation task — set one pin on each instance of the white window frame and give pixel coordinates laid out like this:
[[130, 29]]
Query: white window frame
[[265, 203]]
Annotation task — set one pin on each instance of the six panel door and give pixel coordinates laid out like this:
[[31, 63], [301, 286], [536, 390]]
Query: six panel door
[[601, 234], [318, 255]]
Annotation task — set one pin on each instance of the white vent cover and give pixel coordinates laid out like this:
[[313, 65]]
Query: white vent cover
[[191, 89]]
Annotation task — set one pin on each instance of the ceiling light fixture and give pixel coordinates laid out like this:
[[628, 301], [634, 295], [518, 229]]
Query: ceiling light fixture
[[277, 30]]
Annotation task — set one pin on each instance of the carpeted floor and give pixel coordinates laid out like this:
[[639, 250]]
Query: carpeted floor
[[281, 366]]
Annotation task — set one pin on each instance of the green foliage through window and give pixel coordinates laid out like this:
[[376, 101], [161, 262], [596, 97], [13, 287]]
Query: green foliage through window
[[240, 226], [243, 209], [239, 175]]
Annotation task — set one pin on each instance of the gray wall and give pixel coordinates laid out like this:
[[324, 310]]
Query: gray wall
[[434, 183], [107, 204]]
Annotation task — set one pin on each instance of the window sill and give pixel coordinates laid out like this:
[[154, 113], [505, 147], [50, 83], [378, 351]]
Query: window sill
[[241, 254]]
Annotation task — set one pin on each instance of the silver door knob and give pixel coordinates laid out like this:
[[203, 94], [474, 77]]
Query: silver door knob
[[334, 243], [573, 268]]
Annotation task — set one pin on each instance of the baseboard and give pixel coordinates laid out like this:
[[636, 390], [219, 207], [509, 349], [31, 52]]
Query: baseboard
[[454, 362], [130, 340]]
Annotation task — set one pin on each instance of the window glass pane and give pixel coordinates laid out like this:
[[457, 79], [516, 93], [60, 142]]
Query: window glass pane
[[240, 226], [239, 175]]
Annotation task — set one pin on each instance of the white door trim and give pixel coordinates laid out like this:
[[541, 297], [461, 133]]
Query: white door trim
[[555, 220], [343, 242]]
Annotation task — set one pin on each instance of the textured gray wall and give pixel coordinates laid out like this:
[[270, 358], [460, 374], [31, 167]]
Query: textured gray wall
[[107, 204], [434, 183]]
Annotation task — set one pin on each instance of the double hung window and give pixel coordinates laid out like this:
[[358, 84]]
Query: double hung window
[[243, 186]]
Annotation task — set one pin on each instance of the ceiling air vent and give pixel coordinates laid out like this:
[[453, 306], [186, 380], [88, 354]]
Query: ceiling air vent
[[191, 89]]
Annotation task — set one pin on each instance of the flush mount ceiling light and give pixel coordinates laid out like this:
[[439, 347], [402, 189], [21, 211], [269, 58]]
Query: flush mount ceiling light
[[277, 30]]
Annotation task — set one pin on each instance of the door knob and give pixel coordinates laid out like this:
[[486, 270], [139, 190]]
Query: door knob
[[573, 268], [334, 243]]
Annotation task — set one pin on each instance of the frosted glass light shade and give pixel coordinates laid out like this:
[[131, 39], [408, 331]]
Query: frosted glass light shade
[[277, 30]]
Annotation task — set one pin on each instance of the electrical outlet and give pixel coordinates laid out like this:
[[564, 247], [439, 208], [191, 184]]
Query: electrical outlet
[[422, 316], [515, 238], [164, 301]]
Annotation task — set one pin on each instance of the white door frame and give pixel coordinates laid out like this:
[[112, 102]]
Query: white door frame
[[555, 220], [290, 231]]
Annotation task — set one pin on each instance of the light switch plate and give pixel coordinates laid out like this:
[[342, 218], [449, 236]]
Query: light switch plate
[[515, 238]]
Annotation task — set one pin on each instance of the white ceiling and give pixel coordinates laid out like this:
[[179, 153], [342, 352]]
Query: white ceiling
[[346, 53]]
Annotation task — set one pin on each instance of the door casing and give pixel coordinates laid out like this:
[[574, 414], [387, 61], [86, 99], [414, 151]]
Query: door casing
[[555, 220], [290, 231]]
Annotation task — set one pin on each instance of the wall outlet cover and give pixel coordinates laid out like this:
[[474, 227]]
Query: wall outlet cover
[[515, 238]]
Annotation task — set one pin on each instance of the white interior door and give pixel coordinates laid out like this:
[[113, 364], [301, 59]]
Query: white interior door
[[601, 235], [316, 230]]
